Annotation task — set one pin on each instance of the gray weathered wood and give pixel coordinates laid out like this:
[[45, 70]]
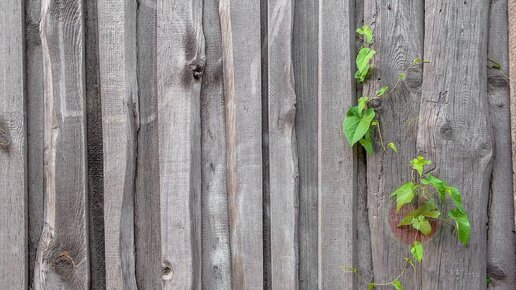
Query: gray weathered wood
[[454, 132], [149, 268], [398, 40], [283, 169], [512, 82], [240, 26], [337, 161], [13, 148], [501, 239], [181, 60], [35, 115], [120, 120], [216, 255], [305, 60], [62, 257]]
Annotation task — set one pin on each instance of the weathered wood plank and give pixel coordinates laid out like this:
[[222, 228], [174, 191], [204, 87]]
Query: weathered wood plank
[[35, 116], [501, 240], [240, 26], [216, 257], [283, 169], [13, 148], [337, 161], [305, 60], [95, 149], [398, 40], [454, 133], [149, 268], [512, 82], [62, 257], [181, 60], [120, 120]]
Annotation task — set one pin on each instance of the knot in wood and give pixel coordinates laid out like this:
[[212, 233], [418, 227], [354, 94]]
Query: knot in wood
[[64, 265], [446, 131], [4, 136], [167, 271], [375, 103], [197, 67], [414, 78], [496, 80]]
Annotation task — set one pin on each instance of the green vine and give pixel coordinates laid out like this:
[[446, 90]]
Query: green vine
[[425, 194]]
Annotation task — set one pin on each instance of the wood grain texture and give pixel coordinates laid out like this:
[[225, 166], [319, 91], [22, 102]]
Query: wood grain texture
[[120, 121], [35, 115], [512, 84], [398, 40], [240, 26], [13, 148], [180, 63], [216, 254], [501, 238], [454, 132], [62, 256], [337, 162], [305, 60], [147, 195], [283, 167]]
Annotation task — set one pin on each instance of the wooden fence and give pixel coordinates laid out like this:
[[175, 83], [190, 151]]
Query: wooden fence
[[188, 144]]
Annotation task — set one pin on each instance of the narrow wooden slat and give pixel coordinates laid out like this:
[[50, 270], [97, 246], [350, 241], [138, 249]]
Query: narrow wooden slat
[[62, 257], [216, 257], [147, 196], [240, 26], [120, 119], [180, 62], [501, 257], [337, 162], [282, 146], [13, 148], [35, 115], [454, 133], [398, 39], [512, 83], [305, 60]]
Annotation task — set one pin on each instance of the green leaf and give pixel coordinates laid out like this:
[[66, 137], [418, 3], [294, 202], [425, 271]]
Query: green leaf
[[417, 250], [427, 209], [366, 32], [362, 61], [439, 185], [362, 103], [455, 196], [381, 91], [355, 126], [397, 284], [367, 143], [417, 60], [393, 147], [402, 76], [462, 225], [370, 286], [418, 163], [404, 194], [422, 225]]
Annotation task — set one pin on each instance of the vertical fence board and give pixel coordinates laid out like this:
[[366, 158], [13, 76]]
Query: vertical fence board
[[180, 46], [501, 243], [117, 49], [454, 133], [512, 83], [13, 148], [149, 268], [305, 52], [337, 161], [216, 271], [240, 26], [282, 146], [398, 40], [35, 115], [62, 258]]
